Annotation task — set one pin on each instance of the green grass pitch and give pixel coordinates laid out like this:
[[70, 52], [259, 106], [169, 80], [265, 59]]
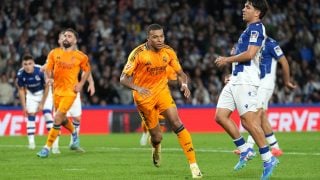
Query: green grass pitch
[[119, 156]]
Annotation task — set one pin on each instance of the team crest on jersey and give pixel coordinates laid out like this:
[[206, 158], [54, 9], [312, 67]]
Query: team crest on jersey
[[164, 58], [278, 50], [148, 63], [58, 57], [254, 36], [37, 77], [24, 79]]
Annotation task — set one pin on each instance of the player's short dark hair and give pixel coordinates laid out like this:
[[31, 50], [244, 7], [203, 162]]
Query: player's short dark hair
[[74, 32], [261, 5], [153, 27], [27, 57]]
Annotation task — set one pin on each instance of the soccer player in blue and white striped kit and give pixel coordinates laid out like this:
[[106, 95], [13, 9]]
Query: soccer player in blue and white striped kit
[[241, 91], [272, 54], [35, 96]]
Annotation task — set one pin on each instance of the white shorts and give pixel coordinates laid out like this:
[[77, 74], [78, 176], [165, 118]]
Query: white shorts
[[75, 109], [264, 96], [242, 96], [48, 104], [33, 100]]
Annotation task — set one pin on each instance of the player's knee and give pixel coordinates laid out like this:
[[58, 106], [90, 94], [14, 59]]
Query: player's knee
[[175, 124], [249, 124], [59, 118], [156, 138], [31, 114], [222, 115], [76, 119]]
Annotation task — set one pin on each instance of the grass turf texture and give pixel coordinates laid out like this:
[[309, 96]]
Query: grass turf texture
[[119, 156]]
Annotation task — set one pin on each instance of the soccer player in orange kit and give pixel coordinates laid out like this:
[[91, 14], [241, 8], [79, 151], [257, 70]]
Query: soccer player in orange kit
[[62, 69], [145, 73]]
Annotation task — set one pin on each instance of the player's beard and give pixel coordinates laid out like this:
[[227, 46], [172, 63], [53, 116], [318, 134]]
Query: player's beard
[[66, 44]]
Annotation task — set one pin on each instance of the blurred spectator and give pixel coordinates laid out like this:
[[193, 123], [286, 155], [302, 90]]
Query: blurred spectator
[[7, 92], [311, 89], [200, 95]]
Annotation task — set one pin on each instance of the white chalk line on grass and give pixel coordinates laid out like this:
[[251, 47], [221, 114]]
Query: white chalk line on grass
[[163, 149], [74, 169]]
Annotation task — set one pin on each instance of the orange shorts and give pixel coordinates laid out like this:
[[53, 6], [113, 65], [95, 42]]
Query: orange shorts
[[151, 107], [63, 103]]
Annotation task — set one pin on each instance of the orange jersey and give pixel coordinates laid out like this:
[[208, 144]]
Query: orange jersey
[[66, 66], [148, 67]]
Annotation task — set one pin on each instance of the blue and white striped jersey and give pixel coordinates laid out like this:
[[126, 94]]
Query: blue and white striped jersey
[[33, 82], [248, 72], [271, 53]]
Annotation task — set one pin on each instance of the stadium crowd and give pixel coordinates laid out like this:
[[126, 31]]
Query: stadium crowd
[[199, 31]]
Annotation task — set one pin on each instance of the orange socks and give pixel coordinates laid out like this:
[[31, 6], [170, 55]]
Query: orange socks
[[53, 133], [55, 130], [186, 144], [68, 125]]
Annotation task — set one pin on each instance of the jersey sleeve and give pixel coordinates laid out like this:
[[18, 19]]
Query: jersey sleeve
[[85, 65], [131, 64], [174, 61], [276, 52], [20, 79], [257, 35], [50, 61]]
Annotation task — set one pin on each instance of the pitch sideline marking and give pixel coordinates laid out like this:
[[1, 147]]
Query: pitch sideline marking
[[74, 169], [164, 149], [206, 150]]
